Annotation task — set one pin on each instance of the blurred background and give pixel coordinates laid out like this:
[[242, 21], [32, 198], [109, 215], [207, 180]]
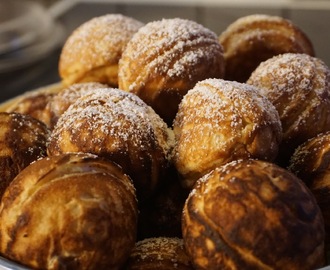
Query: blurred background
[[31, 62]]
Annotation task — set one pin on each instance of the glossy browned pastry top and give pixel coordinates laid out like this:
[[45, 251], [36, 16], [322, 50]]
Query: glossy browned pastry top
[[252, 214], [311, 159], [92, 51], [252, 39], [35, 105], [73, 211], [22, 141], [311, 163]]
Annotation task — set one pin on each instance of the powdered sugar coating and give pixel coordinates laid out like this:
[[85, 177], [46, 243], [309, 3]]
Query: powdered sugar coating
[[253, 21], [157, 244], [165, 44], [299, 87], [219, 121], [62, 100], [292, 74], [105, 106], [170, 55], [252, 39], [120, 126], [96, 43], [159, 252]]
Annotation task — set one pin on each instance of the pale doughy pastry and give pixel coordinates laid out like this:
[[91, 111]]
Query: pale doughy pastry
[[219, 121], [162, 253], [22, 141], [298, 85], [119, 126], [255, 38], [71, 211], [92, 51], [165, 59], [252, 214]]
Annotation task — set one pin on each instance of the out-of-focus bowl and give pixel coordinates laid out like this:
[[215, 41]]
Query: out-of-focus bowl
[[27, 33]]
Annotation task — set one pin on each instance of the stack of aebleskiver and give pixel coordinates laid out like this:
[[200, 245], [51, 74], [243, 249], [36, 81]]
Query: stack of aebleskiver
[[148, 131]]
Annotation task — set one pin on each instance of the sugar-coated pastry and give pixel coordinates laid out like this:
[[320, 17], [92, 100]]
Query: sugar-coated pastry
[[92, 51], [255, 38], [252, 214], [71, 211], [219, 121], [298, 85], [119, 126], [165, 59], [311, 163], [63, 99], [162, 253], [22, 141]]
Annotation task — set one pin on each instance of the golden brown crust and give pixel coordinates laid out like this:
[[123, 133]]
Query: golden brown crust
[[119, 126], [22, 140], [311, 163], [253, 215], [72, 211], [219, 121], [35, 105], [92, 51], [299, 87], [311, 158], [63, 99], [12, 103], [160, 253], [167, 58], [253, 39]]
